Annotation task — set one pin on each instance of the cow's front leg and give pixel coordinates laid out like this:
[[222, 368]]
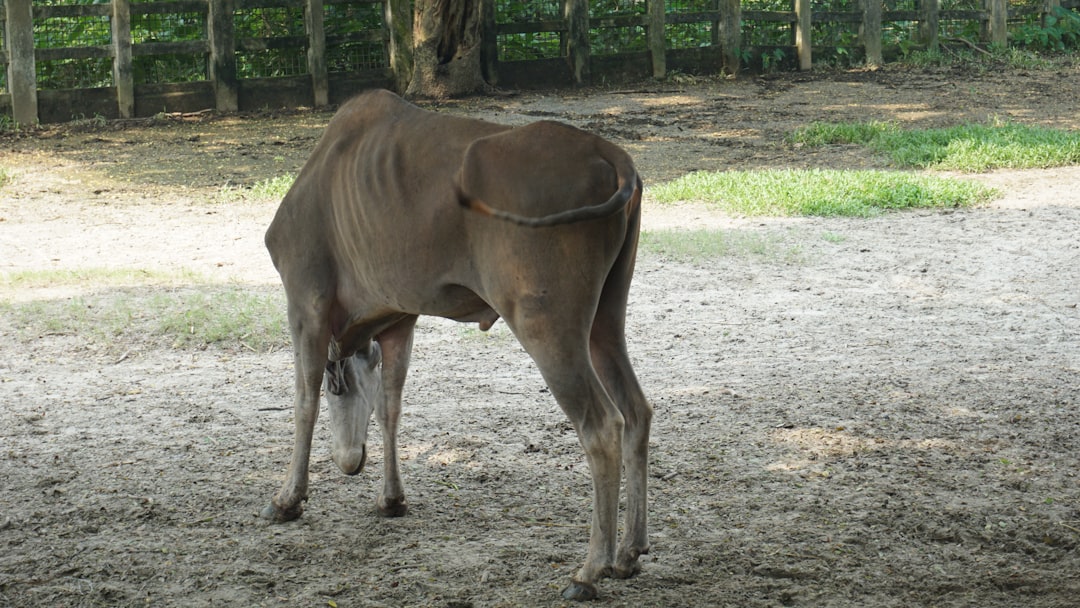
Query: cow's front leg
[[396, 343], [310, 362]]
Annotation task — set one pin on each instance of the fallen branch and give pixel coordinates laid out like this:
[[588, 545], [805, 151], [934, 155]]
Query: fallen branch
[[970, 44]]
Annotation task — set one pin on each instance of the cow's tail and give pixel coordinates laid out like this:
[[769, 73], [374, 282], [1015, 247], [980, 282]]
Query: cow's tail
[[629, 184]]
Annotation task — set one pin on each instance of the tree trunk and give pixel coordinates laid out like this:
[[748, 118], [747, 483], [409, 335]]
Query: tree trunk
[[446, 51]]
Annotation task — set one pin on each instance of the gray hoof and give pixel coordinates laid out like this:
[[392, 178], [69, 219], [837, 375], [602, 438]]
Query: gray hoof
[[277, 515], [627, 571], [396, 507], [580, 592]]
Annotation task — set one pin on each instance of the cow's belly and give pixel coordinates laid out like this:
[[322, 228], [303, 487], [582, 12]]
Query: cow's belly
[[460, 304]]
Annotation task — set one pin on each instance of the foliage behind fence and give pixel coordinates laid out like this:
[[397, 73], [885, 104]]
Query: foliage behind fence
[[170, 41]]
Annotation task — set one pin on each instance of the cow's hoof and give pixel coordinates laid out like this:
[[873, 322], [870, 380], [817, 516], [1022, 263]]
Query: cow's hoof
[[392, 507], [276, 514], [626, 570], [627, 564], [580, 592]]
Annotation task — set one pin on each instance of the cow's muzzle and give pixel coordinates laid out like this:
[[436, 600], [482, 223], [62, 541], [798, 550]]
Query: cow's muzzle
[[351, 461]]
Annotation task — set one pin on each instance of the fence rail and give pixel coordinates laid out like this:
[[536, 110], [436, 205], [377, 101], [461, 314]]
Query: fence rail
[[68, 58]]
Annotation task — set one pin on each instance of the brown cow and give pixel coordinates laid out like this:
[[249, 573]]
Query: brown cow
[[402, 212]]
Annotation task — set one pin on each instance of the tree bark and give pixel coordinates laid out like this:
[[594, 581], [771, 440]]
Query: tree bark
[[447, 47]]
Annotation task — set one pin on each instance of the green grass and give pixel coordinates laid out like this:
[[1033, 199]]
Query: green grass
[[981, 63], [227, 316], [832, 237], [5, 176], [970, 147], [825, 133], [820, 192], [272, 189], [224, 316], [96, 277], [704, 245]]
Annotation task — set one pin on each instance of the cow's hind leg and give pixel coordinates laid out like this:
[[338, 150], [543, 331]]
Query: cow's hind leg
[[564, 361], [613, 365], [310, 340], [396, 343], [607, 343]]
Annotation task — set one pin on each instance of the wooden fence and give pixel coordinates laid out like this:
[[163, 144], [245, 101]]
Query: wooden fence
[[325, 69]]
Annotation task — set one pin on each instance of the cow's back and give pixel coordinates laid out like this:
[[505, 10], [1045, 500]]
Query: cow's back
[[373, 215]]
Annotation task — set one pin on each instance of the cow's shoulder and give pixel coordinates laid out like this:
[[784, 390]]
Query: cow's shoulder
[[372, 105]]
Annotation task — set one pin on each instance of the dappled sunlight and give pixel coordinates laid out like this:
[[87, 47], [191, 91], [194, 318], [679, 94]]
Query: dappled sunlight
[[618, 110], [674, 101], [915, 287], [180, 157], [433, 454], [816, 444], [448, 456], [694, 390]]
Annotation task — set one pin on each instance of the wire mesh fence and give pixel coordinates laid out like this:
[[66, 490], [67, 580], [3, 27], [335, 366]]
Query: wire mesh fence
[[73, 32], [519, 46], [690, 35], [170, 41], [161, 68], [277, 26], [344, 24], [615, 39]]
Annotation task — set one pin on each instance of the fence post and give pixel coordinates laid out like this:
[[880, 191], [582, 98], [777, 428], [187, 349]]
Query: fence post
[[999, 19], [221, 37], [316, 54], [1048, 10], [399, 18], [731, 33], [22, 73], [802, 34], [123, 76], [928, 26], [577, 38], [657, 46], [871, 32]]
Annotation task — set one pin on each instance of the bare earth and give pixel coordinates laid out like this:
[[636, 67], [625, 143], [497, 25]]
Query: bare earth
[[864, 413]]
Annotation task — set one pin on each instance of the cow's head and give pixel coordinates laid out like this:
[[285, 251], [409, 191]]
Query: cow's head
[[353, 386]]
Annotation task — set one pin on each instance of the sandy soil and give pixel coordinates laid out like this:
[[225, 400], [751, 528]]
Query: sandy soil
[[862, 413]]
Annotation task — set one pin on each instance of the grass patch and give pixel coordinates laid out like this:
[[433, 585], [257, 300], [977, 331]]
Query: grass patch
[[5, 176], [982, 63], [272, 189], [238, 317], [970, 147], [825, 133], [704, 245], [97, 277], [832, 237], [820, 192]]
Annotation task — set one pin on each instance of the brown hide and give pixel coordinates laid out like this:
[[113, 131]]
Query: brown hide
[[401, 212]]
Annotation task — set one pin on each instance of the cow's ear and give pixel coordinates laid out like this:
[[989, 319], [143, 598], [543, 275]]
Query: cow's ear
[[374, 355]]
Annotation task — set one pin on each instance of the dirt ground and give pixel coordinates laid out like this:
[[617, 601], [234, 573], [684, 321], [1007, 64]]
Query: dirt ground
[[862, 413]]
